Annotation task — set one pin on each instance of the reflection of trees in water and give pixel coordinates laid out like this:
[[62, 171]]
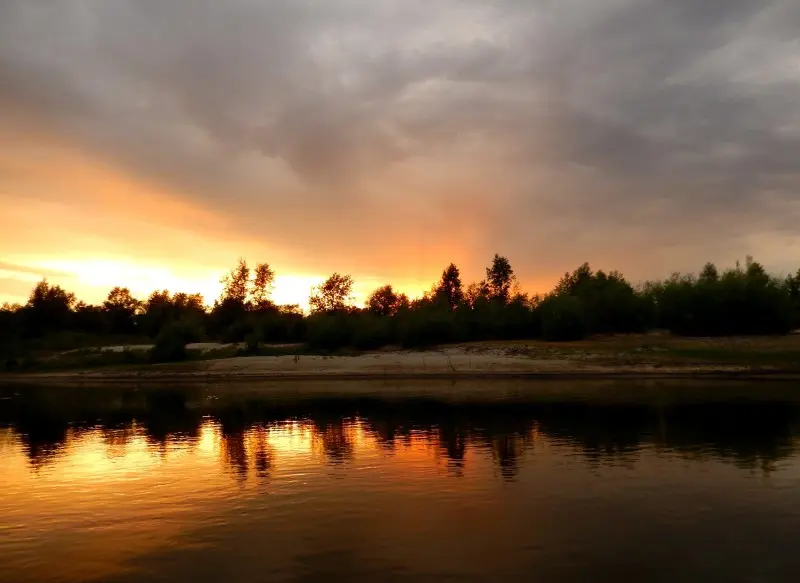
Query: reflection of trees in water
[[40, 424], [167, 420], [244, 444], [234, 451], [334, 437], [262, 453], [386, 433], [453, 430], [609, 434], [751, 434], [116, 439], [43, 442], [506, 450], [453, 443]]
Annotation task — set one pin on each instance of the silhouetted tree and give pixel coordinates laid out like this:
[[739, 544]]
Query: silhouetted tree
[[263, 283], [332, 296], [332, 320], [185, 310], [608, 303], [158, 310], [793, 285], [499, 279], [756, 274], [158, 299], [449, 288], [10, 332], [710, 273], [49, 309], [90, 319], [562, 318], [161, 310], [571, 283], [188, 303], [228, 319], [385, 302], [283, 324], [740, 301], [476, 292], [121, 308], [793, 288], [235, 285]]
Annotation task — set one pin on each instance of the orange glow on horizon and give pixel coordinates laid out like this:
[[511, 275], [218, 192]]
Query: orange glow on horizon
[[92, 279], [95, 243], [90, 226]]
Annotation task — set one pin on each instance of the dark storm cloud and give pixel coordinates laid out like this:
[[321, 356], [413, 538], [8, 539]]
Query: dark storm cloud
[[610, 125]]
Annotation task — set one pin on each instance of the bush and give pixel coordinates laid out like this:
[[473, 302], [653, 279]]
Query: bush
[[251, 344], [740, 301], [372, 332], [485, 318], [277, 327], [609, 303], [236, 332], [329, 331], [427, 328], [562, 318], [170, 344]]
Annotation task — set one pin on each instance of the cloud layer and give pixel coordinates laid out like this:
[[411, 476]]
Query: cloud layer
[[386, 138]]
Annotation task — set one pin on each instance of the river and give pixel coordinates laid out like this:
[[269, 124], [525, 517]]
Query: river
[[435, 482]]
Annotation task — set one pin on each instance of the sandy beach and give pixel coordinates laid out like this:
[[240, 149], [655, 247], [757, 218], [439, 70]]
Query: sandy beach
[[616, 357]]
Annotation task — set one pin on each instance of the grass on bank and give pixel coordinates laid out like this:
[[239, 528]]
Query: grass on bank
[[612, 351], [136, 356], [659, 349]]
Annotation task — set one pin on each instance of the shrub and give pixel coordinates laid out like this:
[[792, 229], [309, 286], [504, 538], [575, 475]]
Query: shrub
[[372, 332], [251, 344], [427, 328], [170, 344], [740, 301], [562, 318], [329, 331], [236, 332], [278, 327]]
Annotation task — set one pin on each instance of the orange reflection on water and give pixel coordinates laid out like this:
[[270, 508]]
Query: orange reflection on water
[[171, 490], [71, 500]]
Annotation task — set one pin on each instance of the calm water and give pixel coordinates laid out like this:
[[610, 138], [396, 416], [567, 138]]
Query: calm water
[[604, 482]]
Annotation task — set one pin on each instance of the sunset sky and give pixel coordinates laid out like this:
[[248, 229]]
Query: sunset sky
[[150, 143]]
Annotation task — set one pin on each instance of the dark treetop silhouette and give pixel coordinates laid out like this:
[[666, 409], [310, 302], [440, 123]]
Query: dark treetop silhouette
[[739, 300]]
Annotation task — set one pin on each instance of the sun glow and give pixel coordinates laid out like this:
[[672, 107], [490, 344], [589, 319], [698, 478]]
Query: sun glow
[[91, 280], [104, 274], [294, 289], [76, 226]]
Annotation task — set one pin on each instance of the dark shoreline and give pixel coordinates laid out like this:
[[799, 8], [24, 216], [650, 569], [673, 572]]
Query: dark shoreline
[[125, 377]]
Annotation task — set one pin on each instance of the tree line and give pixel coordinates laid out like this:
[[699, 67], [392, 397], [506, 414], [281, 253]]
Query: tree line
[[736, 301]]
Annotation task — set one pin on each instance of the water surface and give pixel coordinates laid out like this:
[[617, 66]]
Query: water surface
[[433, 482]]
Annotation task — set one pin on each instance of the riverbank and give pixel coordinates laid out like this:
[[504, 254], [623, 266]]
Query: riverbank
[[655, 356]]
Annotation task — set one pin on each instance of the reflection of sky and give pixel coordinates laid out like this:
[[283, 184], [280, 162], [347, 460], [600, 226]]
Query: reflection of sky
[[295, 498]]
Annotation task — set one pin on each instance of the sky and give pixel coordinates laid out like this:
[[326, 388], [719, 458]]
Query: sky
[[151, 143]]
